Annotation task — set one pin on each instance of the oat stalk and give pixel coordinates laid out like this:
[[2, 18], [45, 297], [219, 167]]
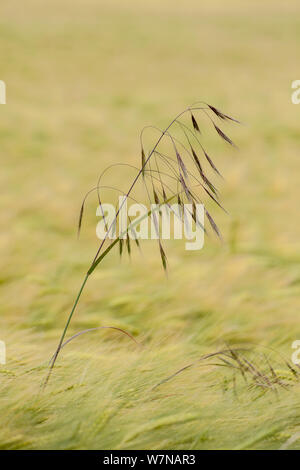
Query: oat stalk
[[174, 169]]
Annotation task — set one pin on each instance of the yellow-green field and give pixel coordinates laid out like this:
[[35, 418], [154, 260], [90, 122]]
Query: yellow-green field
[[83, 77]]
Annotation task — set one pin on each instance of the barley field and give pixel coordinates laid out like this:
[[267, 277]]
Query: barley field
[[83, 78]]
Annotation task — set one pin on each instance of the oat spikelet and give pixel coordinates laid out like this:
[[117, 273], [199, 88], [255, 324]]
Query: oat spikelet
[[212, 163], [213, 224], [163, 256], [221, 115], [195, 124], [224, 136], [143, 162]]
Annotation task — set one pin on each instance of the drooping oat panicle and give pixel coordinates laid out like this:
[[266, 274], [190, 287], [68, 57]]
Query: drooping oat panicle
[[177, 171]]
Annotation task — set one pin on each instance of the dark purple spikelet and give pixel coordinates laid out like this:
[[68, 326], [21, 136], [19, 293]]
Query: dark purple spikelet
[[221, 115], [224, 136], [195, 123]]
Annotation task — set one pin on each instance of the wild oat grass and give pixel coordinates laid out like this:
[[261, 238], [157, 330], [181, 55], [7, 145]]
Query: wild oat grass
[[159, 186], [81, 82]]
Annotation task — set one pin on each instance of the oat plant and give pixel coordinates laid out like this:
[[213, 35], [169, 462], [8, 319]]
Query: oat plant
[[177, 168]]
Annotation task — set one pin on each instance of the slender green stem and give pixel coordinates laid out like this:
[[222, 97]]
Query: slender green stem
[[65, 329]]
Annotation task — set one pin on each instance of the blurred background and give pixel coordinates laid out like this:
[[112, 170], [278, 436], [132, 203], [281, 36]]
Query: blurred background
[[83, 78]]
